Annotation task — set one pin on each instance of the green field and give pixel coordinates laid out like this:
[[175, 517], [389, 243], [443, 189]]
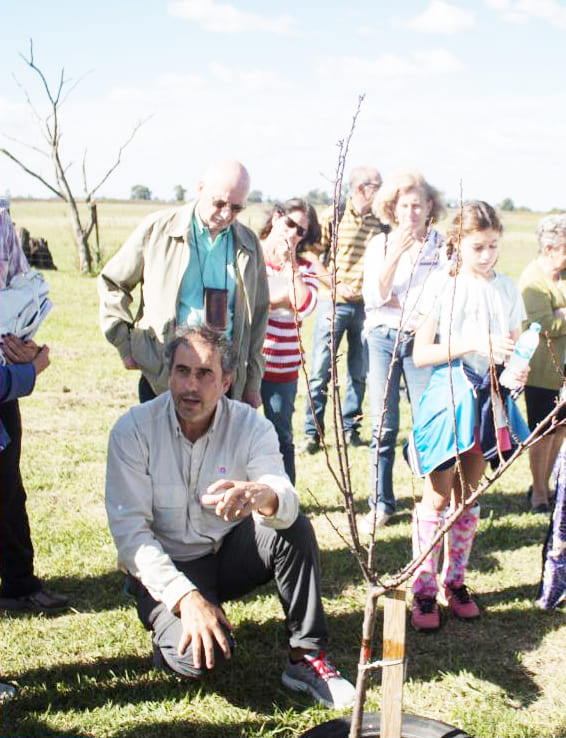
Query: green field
[[88, 672]]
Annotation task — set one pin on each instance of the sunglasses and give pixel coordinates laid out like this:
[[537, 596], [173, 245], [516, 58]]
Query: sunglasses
[[373, 185], [290, 223], [221, 204]]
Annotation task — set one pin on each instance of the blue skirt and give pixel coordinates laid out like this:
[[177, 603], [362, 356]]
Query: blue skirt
[[457, 398]]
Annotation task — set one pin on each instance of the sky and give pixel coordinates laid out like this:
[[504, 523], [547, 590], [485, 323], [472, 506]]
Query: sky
[[472, 93]]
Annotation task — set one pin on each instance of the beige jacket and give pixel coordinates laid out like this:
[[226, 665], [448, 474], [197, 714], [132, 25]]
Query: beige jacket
[[156, 256]]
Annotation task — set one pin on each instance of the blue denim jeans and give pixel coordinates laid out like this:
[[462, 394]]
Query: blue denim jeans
[[384, 405], [278, 404], [349, 319]]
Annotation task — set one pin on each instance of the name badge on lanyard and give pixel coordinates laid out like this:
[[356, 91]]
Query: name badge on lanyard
[[216, 308], [215, 299]]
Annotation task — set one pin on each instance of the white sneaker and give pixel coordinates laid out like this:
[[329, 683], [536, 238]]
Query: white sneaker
[[7, 691], [366, 525]]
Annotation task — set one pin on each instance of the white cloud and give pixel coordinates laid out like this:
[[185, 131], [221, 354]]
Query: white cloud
[[166, 87], [523, 11], [437, 61], [388, 67], [221, 72], [252, 79], [441, 17], [224, 18]]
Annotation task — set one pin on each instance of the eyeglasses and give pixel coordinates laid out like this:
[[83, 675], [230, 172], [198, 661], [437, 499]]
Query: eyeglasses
[[373, 185], [221, 204], [290, 223]]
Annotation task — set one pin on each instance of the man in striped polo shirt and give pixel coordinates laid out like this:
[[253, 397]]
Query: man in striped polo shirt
[[357, 227]]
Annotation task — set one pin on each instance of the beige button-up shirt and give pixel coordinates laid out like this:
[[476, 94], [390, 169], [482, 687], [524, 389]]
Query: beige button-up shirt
[[155, 478]]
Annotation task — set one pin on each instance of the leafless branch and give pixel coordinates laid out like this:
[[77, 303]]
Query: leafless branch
[[26, 145], [85, 185], [36, 115], [33, 174], [135, 129], [50, 128], [341, 475], [30, 62], [75, 84]]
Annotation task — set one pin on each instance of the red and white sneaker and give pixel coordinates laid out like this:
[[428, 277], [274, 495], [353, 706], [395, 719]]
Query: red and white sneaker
[[461, 603], [425, 615], [317, 676]]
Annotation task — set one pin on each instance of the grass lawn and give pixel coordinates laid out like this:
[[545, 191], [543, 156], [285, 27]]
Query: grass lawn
[[88, 672]]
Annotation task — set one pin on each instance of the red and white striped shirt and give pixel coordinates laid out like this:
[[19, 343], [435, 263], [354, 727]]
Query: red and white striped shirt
[[281, 346]]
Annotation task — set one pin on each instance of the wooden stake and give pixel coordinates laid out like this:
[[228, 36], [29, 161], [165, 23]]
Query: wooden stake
[[394, 618]]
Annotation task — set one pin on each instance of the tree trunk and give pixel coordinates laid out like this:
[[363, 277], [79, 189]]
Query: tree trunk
[[85, 261], [368, 630], [94, 216], [81, 240]]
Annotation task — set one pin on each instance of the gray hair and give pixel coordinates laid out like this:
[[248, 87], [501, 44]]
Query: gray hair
[[551, 231], [360, 175], [215, 339]]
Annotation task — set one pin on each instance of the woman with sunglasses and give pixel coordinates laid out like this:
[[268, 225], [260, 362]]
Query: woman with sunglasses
[[289, 229]]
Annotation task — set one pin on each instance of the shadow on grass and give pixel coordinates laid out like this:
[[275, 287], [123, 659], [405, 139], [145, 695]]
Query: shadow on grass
[[30, 727], [186, 729], [392, 550], [86, 594], [340, 570], [252, 680], [311, 507]]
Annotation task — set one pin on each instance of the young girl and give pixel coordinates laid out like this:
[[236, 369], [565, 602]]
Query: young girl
[[292, 289], [472, 315]]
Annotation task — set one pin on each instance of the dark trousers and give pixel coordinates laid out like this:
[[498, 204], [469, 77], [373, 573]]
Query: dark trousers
[[251, 555], [16, 549], [145, 390]]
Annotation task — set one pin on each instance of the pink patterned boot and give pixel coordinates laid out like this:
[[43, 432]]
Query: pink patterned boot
[[425, 615], [457, 547]]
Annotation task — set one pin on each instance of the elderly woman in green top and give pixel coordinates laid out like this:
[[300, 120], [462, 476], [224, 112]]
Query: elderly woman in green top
[[544, 294]]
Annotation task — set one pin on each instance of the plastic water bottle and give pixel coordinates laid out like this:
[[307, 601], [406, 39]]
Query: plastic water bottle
[[524, 349]]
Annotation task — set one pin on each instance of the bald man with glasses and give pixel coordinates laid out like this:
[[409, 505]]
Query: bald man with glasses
[[196, 265]]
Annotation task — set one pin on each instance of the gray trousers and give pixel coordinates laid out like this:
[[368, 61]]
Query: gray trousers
[[251, 555]]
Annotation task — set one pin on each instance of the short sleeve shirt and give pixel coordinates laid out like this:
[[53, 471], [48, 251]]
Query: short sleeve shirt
[[466, 305]]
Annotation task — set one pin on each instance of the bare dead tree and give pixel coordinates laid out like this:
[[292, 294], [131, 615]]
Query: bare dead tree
[[50, 128]]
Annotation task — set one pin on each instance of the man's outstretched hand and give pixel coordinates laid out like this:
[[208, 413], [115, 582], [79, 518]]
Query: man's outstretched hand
[[235, 500]]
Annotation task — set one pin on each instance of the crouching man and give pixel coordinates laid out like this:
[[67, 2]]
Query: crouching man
[[202, 512]]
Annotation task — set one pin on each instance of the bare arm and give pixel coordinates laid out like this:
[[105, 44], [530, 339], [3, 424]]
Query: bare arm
[[401, 241], [298, 291], [323, 275]]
